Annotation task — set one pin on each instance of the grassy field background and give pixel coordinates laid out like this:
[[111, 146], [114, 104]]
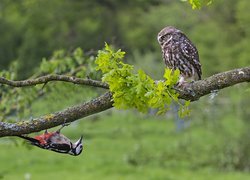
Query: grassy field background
[[128, 145]]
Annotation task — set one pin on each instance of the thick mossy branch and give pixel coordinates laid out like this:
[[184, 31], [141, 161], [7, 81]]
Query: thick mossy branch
[[70, 114], [53, 77], [104, 102], [216, 82]]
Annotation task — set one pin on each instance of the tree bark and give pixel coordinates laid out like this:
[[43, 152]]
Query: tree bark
[[216, 82], [53, 77]]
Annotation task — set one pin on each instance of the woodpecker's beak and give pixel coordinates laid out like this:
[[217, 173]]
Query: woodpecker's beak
[[79, 141]]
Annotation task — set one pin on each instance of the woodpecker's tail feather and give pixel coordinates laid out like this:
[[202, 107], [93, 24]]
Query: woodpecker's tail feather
[[32, 140]]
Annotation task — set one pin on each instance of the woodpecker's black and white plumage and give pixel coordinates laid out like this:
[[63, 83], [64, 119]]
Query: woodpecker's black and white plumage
[[57, 142]]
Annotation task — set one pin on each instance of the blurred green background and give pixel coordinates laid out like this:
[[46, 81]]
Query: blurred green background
[[214, 141]]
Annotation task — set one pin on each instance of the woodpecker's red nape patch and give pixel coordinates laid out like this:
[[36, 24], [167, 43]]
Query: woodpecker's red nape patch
[[43, 138]]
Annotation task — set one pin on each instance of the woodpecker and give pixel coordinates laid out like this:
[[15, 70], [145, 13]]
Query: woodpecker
[[55, 141]]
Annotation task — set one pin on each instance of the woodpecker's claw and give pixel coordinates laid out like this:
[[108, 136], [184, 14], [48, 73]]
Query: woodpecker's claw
[[63, 125]]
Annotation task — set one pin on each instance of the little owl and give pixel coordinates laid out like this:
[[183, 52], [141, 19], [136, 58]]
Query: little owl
[[179, 53]]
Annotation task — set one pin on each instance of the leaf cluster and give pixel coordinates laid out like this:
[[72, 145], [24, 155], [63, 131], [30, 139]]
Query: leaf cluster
[[137, 90], [197, 4]]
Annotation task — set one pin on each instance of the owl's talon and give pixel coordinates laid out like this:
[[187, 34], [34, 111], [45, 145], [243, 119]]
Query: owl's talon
[[186, 88], [191, 92]]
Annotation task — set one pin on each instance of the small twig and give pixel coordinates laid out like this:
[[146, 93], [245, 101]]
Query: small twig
[[54, 77], [44, 85]]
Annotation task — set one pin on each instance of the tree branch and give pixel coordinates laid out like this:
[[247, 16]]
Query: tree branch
[[216, 82], [104, 102], [71, 114], [53, 77]]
